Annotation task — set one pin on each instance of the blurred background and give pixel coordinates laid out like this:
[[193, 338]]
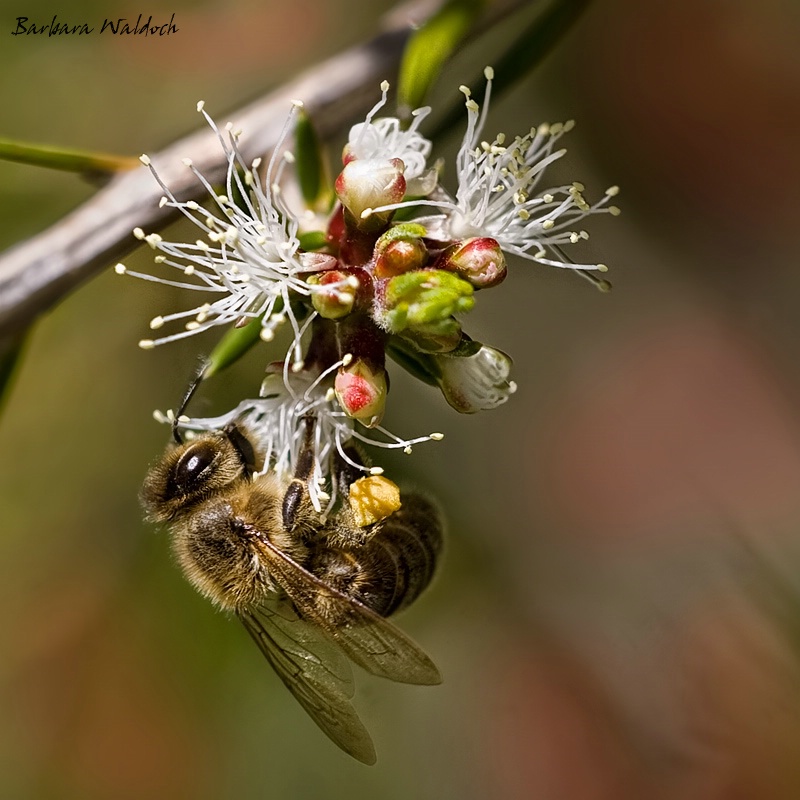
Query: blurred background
[[618, 611]]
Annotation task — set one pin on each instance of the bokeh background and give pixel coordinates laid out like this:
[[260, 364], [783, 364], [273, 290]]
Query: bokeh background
[[618, 612]]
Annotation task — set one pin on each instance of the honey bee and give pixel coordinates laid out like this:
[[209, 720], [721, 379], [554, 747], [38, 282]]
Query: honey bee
[[312, 592]]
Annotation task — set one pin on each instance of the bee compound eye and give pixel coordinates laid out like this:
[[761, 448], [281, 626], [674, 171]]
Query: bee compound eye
[[194, 465]]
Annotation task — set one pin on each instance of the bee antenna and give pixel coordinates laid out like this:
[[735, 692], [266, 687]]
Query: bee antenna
[[188, 394], [243, 446]]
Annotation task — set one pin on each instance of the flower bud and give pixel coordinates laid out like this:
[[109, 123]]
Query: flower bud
[[399, 257], [476, 382], [400, 250], [361, 392], [372, 499], [367, 183], [334, 293], [426, 300], [479, 261]]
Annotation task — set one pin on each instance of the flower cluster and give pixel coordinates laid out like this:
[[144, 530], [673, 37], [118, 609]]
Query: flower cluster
[[399, 261]]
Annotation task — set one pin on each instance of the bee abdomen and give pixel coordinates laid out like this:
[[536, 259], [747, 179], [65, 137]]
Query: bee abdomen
[[394, 566], [412, 538]]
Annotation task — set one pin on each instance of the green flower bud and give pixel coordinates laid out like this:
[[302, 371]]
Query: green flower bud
[[425, 300]]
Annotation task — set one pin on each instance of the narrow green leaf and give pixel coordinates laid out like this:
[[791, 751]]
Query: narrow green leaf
[[233, 345], [10, 358], [430, 46], [420, 365], [311, 165], [60, 158], [312, 240], [527, 50]]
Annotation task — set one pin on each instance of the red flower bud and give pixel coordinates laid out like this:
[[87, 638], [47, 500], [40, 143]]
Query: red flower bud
[[479, 261], [361, 392]]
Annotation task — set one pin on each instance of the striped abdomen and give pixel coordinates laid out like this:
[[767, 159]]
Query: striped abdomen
[[393, 567]]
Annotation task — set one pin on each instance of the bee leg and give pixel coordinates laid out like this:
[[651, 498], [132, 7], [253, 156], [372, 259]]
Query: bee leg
[[342, 531], [345, 473], [298, 487]]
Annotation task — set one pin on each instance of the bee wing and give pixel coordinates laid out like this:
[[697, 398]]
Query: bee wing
[[314, 671], [368, 639]]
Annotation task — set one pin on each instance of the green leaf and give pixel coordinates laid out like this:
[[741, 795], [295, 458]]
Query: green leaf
[[61, 158], [311, 165], [313, 240], [526, 51], [10, 358], [430, 46], [420, 365], [233, 345]]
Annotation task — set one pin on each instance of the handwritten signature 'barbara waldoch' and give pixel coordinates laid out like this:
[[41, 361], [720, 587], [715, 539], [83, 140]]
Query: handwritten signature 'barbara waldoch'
[[116, 27]]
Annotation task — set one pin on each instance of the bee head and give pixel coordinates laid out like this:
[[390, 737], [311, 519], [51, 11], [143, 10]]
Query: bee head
[[192, 471]]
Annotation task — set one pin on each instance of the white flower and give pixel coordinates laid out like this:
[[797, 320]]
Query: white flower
[[276, 421], [248, 260], [500, 194], [384, 139], [478, 382]]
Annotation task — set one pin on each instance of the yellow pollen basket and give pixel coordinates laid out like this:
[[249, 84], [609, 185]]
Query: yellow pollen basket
[[372, 499]]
